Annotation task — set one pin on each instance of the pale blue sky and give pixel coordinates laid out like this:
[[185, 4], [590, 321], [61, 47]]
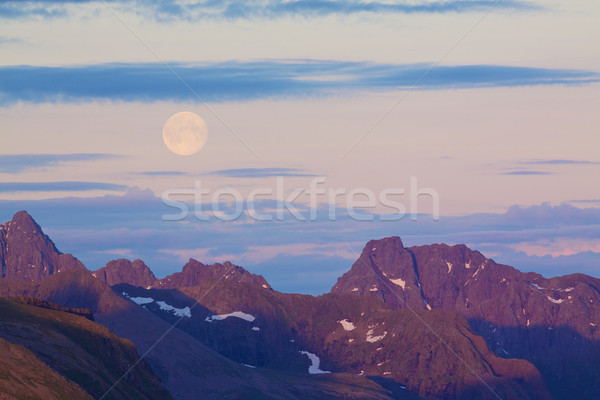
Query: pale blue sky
[[506, 116]]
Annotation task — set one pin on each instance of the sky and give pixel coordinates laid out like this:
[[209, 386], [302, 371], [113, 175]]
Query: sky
[[467, 121]]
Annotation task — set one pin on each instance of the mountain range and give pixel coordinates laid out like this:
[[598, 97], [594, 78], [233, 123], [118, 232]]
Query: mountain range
[[434, 322]]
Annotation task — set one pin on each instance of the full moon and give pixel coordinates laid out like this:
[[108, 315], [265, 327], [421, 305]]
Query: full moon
[[185, 133]]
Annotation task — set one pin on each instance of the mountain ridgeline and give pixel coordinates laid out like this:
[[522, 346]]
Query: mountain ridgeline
[[432, 322]]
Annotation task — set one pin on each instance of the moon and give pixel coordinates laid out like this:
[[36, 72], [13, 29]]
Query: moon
[[185, 133]]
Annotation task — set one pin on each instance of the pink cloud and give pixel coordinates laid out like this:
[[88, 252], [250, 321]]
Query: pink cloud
[[557, 247]]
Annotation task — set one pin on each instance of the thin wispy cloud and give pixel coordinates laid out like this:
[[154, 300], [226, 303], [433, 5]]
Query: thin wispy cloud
[[585, 201], [10, 40], [33, 9], [560, 162], [16, 163], [525, 172], [260, 254], [67, 186], [260, 172], [163, 173], [540, 166], [169, 10], [243, 81], [127, 253]]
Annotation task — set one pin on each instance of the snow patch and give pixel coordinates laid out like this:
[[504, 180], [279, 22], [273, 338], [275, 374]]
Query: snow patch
[[139, 300], [399, 282], [350, 340], [536, 286], [355, 289], [449, 264], [314, 363], [255, 328], [347, 325], [554, 300], [387, 373], [180, 312], [248, 365], [567, 289], [373, 289], [468, 265], [373, 339], [265, 286], [428, 306], [236, 314]]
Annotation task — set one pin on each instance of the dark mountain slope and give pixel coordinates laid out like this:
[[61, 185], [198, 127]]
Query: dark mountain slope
[[83, 351], [83, 312], [24, 376]]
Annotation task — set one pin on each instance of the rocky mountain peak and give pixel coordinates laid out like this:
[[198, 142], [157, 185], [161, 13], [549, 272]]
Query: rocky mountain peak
[[192, 266], [196, 273], [387, 244], [135, 273], [24, 220], [26, 253], [385, 269]]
